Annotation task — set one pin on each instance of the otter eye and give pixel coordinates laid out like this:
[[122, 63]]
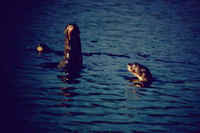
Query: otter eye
[[132, 67]]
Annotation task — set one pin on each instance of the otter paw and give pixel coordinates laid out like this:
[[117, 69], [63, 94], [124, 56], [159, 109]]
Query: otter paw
[[139, 85]]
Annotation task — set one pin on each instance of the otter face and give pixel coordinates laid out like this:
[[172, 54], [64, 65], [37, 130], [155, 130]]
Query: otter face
[[39, 48], [141, 72], [133, 67], [68, 30], [42, 48]]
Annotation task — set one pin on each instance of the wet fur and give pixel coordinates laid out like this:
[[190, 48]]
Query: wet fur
[[72, 61], [144, 76]]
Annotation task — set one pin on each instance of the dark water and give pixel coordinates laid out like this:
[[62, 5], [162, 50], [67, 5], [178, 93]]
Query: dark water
[[160, 34]]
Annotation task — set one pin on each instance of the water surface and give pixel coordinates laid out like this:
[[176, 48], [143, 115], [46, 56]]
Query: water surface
[[162, 35]]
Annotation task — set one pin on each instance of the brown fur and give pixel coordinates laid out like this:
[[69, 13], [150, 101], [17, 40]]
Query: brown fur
[[144, 76], [72, 61]]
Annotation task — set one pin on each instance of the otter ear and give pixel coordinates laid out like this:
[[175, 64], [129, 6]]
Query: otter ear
[[134, 65]]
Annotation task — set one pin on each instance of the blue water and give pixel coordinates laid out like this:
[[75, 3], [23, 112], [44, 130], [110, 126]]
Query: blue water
[[160, 34]]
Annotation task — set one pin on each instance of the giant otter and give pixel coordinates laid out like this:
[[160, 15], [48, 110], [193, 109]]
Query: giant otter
[[72, 61], [144, 76]]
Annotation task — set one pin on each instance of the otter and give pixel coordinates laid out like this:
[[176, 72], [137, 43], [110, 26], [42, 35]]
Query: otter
[[72, 61], [144, 76]]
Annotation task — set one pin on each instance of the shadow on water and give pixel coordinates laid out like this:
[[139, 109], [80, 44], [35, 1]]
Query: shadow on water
[[143, 55], [108, 54]]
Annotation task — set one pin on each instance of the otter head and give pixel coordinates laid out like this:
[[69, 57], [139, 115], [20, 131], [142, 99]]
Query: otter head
[[39, 48], [71, 30], [42, 48], [133, 67]]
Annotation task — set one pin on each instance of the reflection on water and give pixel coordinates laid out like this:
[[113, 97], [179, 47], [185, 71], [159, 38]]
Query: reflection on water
[[70, 79], [101, 98]]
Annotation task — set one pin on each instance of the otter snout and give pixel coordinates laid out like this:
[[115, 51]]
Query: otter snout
[[68, 30]]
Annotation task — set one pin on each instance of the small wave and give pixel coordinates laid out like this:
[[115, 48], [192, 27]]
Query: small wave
[[175, 62], [94, 41], [178, 81], [108, 54], [53, 113], [61, 53], [50, 65], [143, 55]]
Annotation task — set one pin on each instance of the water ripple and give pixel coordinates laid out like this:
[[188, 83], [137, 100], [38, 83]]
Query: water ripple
[[101, 98]]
